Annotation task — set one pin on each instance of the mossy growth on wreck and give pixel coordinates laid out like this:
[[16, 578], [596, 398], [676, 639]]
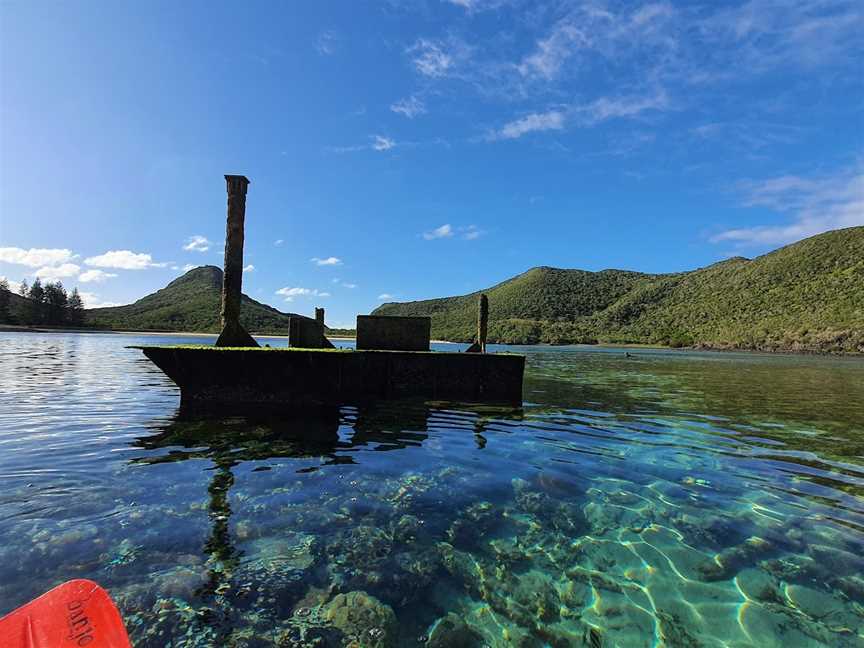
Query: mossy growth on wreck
[[209, 347], [266, 349]]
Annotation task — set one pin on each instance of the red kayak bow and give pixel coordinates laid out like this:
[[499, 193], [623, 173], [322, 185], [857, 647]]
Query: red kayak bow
[[77, 614]]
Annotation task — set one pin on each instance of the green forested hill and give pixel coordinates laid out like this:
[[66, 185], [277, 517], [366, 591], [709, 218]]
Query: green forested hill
[[808, 296], [189, 303]]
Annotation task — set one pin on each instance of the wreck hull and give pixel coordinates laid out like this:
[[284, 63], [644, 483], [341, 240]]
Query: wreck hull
[[304, 377]]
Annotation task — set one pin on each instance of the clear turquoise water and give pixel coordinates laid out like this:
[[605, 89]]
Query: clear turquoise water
[[677, 499]]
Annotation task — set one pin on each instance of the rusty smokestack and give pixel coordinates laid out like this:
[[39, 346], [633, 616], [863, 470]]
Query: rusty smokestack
[[233, 333]]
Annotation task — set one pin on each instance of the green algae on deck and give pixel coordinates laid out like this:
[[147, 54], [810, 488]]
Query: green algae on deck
[[257, 377]]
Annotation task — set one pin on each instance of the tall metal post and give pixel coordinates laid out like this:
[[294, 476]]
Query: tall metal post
[[482, 321], [233, 334]]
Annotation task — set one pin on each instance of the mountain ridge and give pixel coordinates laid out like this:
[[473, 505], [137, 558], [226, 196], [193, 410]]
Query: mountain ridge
[[189, 303], [806, 296]]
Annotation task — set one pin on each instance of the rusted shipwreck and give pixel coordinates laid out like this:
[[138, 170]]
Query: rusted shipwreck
[[392, 358]]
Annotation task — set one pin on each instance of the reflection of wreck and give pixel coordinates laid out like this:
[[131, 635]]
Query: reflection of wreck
[[392, 359], [228, 442]]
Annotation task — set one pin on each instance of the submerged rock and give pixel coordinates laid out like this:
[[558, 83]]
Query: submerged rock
[[732, 560], [452, 632], [364, 619], [534, 599]]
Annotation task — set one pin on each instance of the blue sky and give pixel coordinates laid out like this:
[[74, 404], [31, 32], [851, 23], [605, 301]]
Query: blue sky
[[406, 150]]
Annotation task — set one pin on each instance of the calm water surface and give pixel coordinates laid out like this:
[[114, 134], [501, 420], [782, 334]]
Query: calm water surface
[[674, 499]]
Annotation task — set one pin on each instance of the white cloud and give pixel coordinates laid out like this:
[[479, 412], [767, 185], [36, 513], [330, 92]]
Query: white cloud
[[343, 284], [377, 143], [96, 276], [552, 120], [52, 273], [249, 268], [431, 58], [437, 59], [14, 286], [758, 36], [327, 43], [815, 204], [36, 257], [197, 243], [477, 5], [329, 261], [92, 300], [123, 260], [278, 242], [381, 143], [290, 293], [410, 107], [471, 232], [606, 108], [553, 51], [445, 231], [386, 296]]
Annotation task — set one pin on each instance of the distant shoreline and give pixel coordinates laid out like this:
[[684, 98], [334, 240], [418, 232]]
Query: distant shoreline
[[13, 328]]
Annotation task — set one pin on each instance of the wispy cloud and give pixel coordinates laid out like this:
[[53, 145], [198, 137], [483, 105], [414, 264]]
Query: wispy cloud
[[553, 51], [815, 205], [381, 143], [664, 52], [343, 284], [197, 243], [290, 293], [410, 107], [471, 232], [761, 35], [52, 273], [95, 276], [437, 59], [249, 268], [35, 257], [378, 143], [588, 114], [466, 232], [445, 231], [551, 120], [473, 6], [328, 261], [386, 296], [327, 43], [606, 108], [278, 242], [123, 260]]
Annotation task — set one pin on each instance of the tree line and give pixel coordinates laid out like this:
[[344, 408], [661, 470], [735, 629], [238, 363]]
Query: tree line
[[41, 304]]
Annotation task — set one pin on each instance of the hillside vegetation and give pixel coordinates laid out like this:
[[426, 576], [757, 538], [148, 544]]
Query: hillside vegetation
[[808, 296], [189, 303]]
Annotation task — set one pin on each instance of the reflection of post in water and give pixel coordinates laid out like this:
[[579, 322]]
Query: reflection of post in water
[[228, 442], [219, 545], [479, 428]]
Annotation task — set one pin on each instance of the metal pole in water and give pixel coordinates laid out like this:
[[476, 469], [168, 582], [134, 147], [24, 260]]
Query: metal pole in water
[[482, 322], [233, 333]]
